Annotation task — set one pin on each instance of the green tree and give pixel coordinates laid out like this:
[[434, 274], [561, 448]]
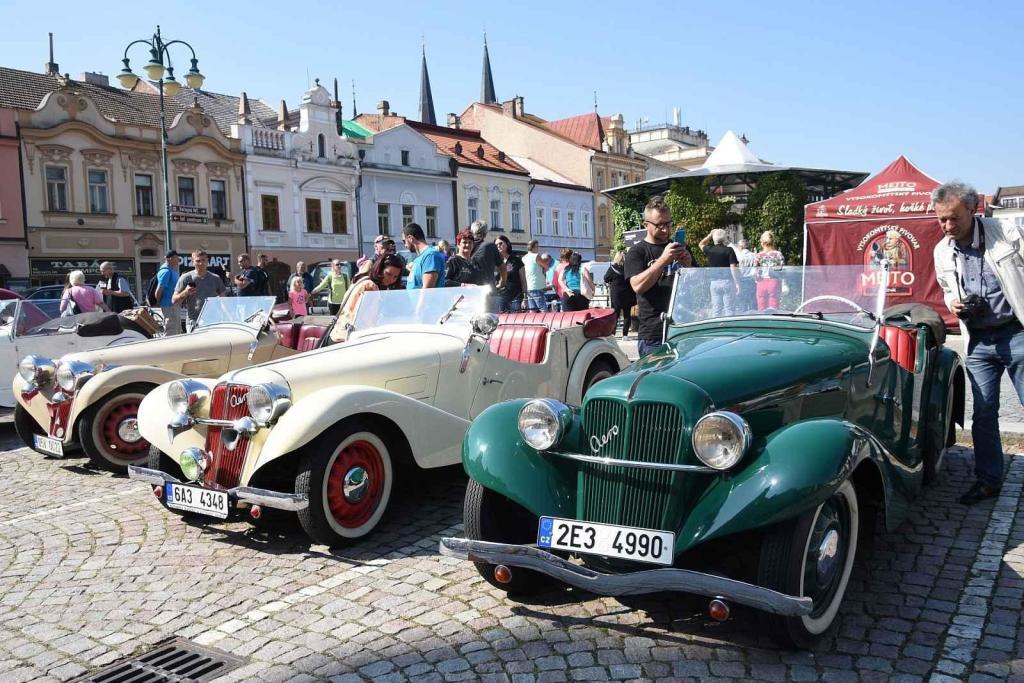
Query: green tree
[[698, 210], [627, 214], [777, 204]]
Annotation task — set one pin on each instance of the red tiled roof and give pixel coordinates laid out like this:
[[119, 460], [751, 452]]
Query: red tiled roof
[[585, 129], [468, 148], [378, 122]]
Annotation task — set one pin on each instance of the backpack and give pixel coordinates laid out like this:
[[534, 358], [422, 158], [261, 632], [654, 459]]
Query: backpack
[[150, 297]]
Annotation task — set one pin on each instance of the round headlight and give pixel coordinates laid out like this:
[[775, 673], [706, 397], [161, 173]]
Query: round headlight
[[721, 439], [267, 402], [193, 463], [27, 368], [36, 369], [71, 374], [542, 422], [186, 396]]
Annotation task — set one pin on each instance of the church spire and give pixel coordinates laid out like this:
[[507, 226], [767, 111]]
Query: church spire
[[426, 97], [487, 95]]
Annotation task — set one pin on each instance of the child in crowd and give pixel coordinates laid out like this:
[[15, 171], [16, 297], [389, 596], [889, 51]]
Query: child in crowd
[[298, 297]]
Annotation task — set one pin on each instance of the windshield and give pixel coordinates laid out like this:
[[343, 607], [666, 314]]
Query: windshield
[[251, 311], [420, 306], [23, 317], [836, 293]]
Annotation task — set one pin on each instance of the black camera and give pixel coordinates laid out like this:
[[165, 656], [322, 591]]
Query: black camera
[[972, 307]]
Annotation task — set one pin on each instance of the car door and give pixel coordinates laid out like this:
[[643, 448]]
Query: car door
[[502, 378]]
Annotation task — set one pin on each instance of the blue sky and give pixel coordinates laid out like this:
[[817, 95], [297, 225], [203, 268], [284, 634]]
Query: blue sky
[[829, 84]]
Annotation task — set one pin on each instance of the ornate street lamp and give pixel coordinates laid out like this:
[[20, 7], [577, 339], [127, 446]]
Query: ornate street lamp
[[160, 64]]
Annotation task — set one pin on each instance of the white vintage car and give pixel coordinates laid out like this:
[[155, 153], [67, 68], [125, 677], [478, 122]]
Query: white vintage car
[[37, 327], [91, 399], [326, 433]]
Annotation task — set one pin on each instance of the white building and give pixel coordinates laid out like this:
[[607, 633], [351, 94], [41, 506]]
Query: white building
[[301, 184], [1010, 201], [561, 212], [405, 180]]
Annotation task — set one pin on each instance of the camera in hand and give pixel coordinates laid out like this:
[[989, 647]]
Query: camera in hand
[[973, 306]]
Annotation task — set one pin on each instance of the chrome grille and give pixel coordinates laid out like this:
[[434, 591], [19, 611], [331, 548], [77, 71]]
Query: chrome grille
[[648, 432], [227, 464]]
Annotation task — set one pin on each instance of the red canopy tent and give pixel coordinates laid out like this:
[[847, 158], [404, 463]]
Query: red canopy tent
[[888, 216]]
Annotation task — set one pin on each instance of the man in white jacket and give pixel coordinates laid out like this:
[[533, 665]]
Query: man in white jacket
[[979, 264]]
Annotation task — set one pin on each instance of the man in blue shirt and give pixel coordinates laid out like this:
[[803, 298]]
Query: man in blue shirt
[[166, 281], [428, 266]]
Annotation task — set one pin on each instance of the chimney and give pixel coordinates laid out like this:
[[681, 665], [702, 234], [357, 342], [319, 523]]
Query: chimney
[[506, 108], [51, 68], [384, 108], [454, 120], [517, 106], [501, 155], [676, 116], [282, 116], [244, 110], [95, 79]]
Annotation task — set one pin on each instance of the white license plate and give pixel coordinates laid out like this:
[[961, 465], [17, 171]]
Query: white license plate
[[641, 545], [48, 445], [195, 499]]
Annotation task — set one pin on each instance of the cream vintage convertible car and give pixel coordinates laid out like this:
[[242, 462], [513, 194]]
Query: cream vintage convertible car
[[326, 433], [91, 399]]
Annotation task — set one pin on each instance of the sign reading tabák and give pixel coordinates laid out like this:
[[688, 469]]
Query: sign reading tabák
[[188, 214]]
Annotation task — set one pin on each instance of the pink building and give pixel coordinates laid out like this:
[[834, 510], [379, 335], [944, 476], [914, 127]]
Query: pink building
[[13, 252]]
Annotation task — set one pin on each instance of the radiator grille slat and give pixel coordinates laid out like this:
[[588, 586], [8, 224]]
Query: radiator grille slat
[[648, 432], [226, 403]]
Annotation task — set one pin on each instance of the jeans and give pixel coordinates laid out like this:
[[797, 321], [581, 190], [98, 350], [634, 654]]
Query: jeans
[[722, 292], [989, 352], [747, 298], [536, 300], [172, 319], [644, 347]]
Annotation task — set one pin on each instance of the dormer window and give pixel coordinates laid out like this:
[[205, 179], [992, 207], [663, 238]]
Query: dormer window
[[479, 151], [405, 157], [458, 148], [321, 146]]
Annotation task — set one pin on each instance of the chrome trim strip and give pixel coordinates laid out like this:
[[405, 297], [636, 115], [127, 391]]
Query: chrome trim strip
[[632, 583], [672, 467], [270, 499], [211, 422], [150, 476]]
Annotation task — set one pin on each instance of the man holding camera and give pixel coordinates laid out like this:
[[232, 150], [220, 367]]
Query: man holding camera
[[979, 263]]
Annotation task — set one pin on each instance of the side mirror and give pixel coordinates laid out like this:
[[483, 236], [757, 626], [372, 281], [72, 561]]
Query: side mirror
[[485, 324]]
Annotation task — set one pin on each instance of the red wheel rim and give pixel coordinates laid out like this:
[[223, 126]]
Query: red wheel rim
[[111, 428], [349, 511]]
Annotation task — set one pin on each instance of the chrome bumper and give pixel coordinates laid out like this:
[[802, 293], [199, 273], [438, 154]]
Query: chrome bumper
[[246, 494], [632, 583]]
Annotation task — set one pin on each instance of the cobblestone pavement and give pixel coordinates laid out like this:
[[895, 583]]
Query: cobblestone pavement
[[92, 568]]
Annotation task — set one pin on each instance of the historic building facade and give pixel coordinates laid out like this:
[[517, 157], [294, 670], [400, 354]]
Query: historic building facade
[[93, 180], [561, 212], [13, 249], [589, 150], [405, 179], [301, 184]]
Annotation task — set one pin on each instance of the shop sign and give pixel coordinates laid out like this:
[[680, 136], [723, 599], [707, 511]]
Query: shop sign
[[214, 261], [59, 267]]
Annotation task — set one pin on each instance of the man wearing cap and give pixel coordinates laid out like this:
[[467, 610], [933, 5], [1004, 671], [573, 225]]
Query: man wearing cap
[[166, 281], [382, 244]]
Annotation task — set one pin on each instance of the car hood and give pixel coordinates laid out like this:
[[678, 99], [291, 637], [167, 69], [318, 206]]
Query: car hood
[[735, 366], [167, 351], [405, 362]]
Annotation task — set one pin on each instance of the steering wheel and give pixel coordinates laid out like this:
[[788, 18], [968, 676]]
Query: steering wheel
[[830, 297]]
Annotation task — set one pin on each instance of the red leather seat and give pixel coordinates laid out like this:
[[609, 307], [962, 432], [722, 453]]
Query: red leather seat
[[309, 337], [288, 333], [520, 343], [902, 345], [597, 322]]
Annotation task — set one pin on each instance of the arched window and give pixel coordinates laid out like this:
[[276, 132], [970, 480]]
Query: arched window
[[321, 146]]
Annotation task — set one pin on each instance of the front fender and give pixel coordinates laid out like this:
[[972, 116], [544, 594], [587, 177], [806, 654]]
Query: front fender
[[494, 454], [35, 406], [799, 466], [155, 414], [584, 358], [941, 404], [434, 435]]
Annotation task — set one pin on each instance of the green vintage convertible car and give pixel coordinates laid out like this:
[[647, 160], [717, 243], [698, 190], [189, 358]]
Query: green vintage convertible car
[[744, 460]]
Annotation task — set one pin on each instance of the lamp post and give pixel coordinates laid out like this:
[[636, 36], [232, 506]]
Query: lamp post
[[160, 65]]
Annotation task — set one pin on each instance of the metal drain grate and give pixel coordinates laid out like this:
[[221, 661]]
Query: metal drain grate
[[174, 661]]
